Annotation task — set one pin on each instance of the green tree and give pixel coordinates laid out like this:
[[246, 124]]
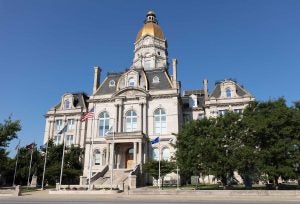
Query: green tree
[[8, 132], [208, 146], [24, 162], [151, 167], [72, 164], [275, 128]]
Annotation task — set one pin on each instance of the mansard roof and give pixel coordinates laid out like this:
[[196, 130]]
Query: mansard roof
[[105, 87], [240, 90], [79, 100], [163, 82]]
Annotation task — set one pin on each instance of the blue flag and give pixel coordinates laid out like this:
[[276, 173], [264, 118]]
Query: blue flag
[[156, 140], [63, 130]]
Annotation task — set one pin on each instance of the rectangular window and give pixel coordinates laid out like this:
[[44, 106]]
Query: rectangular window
[[57, 140], [97, 158], [69, 141], [71, 124], [58, 124], [222, 112], [238, 110]]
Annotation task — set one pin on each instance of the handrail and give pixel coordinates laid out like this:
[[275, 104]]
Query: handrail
[[99, 174]]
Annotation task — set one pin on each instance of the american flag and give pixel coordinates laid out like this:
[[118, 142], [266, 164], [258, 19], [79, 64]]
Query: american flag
[[87, 115]]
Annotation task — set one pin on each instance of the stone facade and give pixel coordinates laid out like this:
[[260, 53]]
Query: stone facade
[[133, 107]]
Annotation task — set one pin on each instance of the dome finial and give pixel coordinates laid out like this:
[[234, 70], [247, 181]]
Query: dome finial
[[150, 17]]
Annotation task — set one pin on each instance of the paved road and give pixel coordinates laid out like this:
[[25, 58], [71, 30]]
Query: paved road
[[42, 197], [134, 200], [143, 202]]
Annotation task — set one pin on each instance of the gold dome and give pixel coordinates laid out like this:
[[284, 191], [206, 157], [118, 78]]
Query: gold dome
[[150, 27]]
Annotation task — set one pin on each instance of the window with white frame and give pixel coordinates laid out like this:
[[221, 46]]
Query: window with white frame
[[71, 124], [155, 80], [160, 121], [131, 82], [130, 121], [103, 123], [57, 139], [238, 110], [228, 92], [97, 157], [67, 104], [69, 140], [112, 83], [222, 112], [58, 124], [155, 154], [166, 154]]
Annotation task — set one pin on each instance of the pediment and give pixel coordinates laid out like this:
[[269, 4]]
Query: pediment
[[131, 92]]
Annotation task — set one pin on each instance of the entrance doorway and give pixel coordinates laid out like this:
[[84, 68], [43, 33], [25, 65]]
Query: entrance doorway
[[129, 159]]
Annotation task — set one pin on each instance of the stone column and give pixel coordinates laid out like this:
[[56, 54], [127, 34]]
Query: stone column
[[112, 155], [134, 153], [116, 118], [77, 130], [145, 118], [120, 117], [141, 117], [49, 130], [140, 153], [108, 154]]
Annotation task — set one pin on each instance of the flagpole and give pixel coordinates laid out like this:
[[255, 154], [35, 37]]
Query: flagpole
[[62, 160], [17, 158], [92, 146], [159, 164], [29, 167], [112, 159], [45, 161]]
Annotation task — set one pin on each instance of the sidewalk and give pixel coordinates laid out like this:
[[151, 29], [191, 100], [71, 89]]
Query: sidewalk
[[165, 195]]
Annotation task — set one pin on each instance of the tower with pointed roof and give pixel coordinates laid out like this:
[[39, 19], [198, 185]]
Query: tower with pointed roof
[[150, 47]]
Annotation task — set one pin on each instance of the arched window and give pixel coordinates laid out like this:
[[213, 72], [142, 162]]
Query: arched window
[[160, 121], [166, 154], [131, 121], [228, 92], [155, 80], [131, 82], [103, 123], [97, 157], [155, 154]]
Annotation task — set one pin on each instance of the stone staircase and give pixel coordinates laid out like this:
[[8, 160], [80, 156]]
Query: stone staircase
[[120, 176]]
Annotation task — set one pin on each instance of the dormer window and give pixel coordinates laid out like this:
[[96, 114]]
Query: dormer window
[[67, 104], [228, 92], [131, 82], [112, 83], [155, 80]]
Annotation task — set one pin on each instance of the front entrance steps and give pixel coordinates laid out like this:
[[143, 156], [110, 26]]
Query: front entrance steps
[[119, 179]]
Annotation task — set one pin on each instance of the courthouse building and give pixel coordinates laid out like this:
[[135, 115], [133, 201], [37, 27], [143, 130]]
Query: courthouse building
[[133, 107]]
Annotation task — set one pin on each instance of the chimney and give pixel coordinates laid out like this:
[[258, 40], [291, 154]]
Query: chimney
[[205, 82], [97, 73], [174, 63]]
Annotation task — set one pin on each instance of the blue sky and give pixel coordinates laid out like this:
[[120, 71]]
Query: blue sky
[[49, 47]]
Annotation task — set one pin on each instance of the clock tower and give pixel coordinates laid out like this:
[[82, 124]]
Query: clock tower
[[150, 47]]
